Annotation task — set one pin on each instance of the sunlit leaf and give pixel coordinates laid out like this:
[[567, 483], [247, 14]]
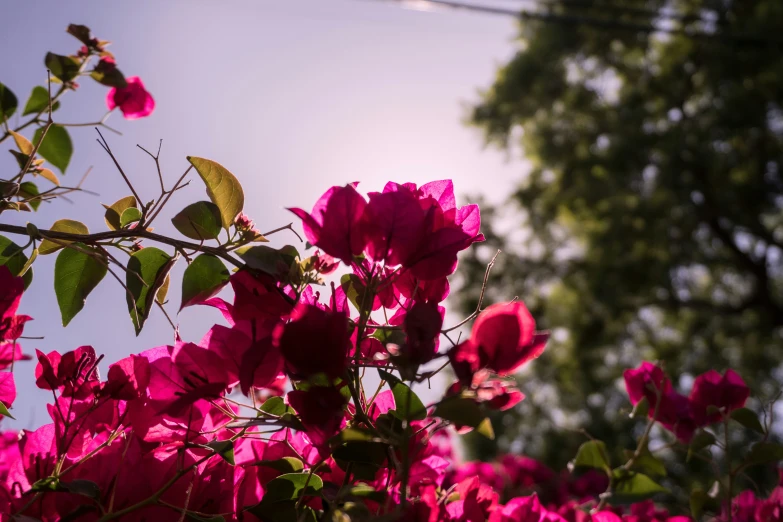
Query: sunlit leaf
[[24, 145], [114, 211], [69, 226], [223, 188], [629, 487], [129, 215]]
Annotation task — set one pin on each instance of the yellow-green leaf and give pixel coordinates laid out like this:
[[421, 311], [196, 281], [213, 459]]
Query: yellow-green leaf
[[70, 226], [115, 210], [223, 188], [25, 147]]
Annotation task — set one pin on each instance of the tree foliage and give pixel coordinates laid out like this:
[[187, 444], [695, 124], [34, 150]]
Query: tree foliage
[[650, 224]]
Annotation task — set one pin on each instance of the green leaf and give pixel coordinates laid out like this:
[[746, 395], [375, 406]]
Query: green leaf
[[114, 211], [747, 418], [163, 291], [76, 274], [56, 148], [630, 487], [80, 32], [464, 412], [29, 190], [408, 406], [150, 265], [199, 221], [591, 454], [648, 464], [292, 486], [764, 453], [12, 256], [24, 145], [274, 262], [365, 458], [354, 289], [203, 278], [223, 188], [224, 448], [82, 487], [62, 225], [64, 68], [129, 215], [276, 406], [368, 492], [4, 411], [8, 103], [284, 465], [701, 440], [38, 101]]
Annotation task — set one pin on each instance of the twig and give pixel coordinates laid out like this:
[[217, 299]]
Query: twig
[[481, 296], [106, 147]]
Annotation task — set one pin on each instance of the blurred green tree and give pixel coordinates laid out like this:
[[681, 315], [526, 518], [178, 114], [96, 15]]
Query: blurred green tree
[[650, 223]]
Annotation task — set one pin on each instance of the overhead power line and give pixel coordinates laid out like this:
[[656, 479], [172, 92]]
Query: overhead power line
[[601, 23]]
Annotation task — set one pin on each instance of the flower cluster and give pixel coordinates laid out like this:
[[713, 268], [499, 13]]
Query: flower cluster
[[712, 397], [267, 417], [127, 94]]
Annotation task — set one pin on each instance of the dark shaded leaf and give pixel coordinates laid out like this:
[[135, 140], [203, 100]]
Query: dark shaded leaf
[[203, 278], [8, 103], [12, 256], [56, 148], [199, 221], [153, 265], [38, 101], [64, 68], [76, 274], [747, 418]]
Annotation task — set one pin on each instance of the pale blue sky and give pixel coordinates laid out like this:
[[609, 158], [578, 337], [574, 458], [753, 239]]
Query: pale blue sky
[[292, 96]]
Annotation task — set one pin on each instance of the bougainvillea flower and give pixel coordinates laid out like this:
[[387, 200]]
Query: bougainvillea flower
[[11, 289], [334, 225], [315, 341], [133, 100], [320, 409], [503, 338], [422, 325], [525, 472], [394, 226], [476, 502], [721, 393], [489, 474], [128, 378], [7, 389], [257, 298], [74, 373], [524, 509], [647, 381], [411, 287], [10, 352]]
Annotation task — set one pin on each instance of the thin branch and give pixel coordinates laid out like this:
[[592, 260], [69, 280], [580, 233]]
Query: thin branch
[[106, 147], [481, 296]]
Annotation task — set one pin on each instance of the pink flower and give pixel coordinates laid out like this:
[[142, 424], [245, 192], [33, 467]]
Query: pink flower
[[315, 341], [489, 474], [134, 101], [422, 325], [11, 289], [334, 224], [502, 340], [724, 393], [128, 378], [75, 373], [7, 389], [673, 409], [524, 509], [320, 409]]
